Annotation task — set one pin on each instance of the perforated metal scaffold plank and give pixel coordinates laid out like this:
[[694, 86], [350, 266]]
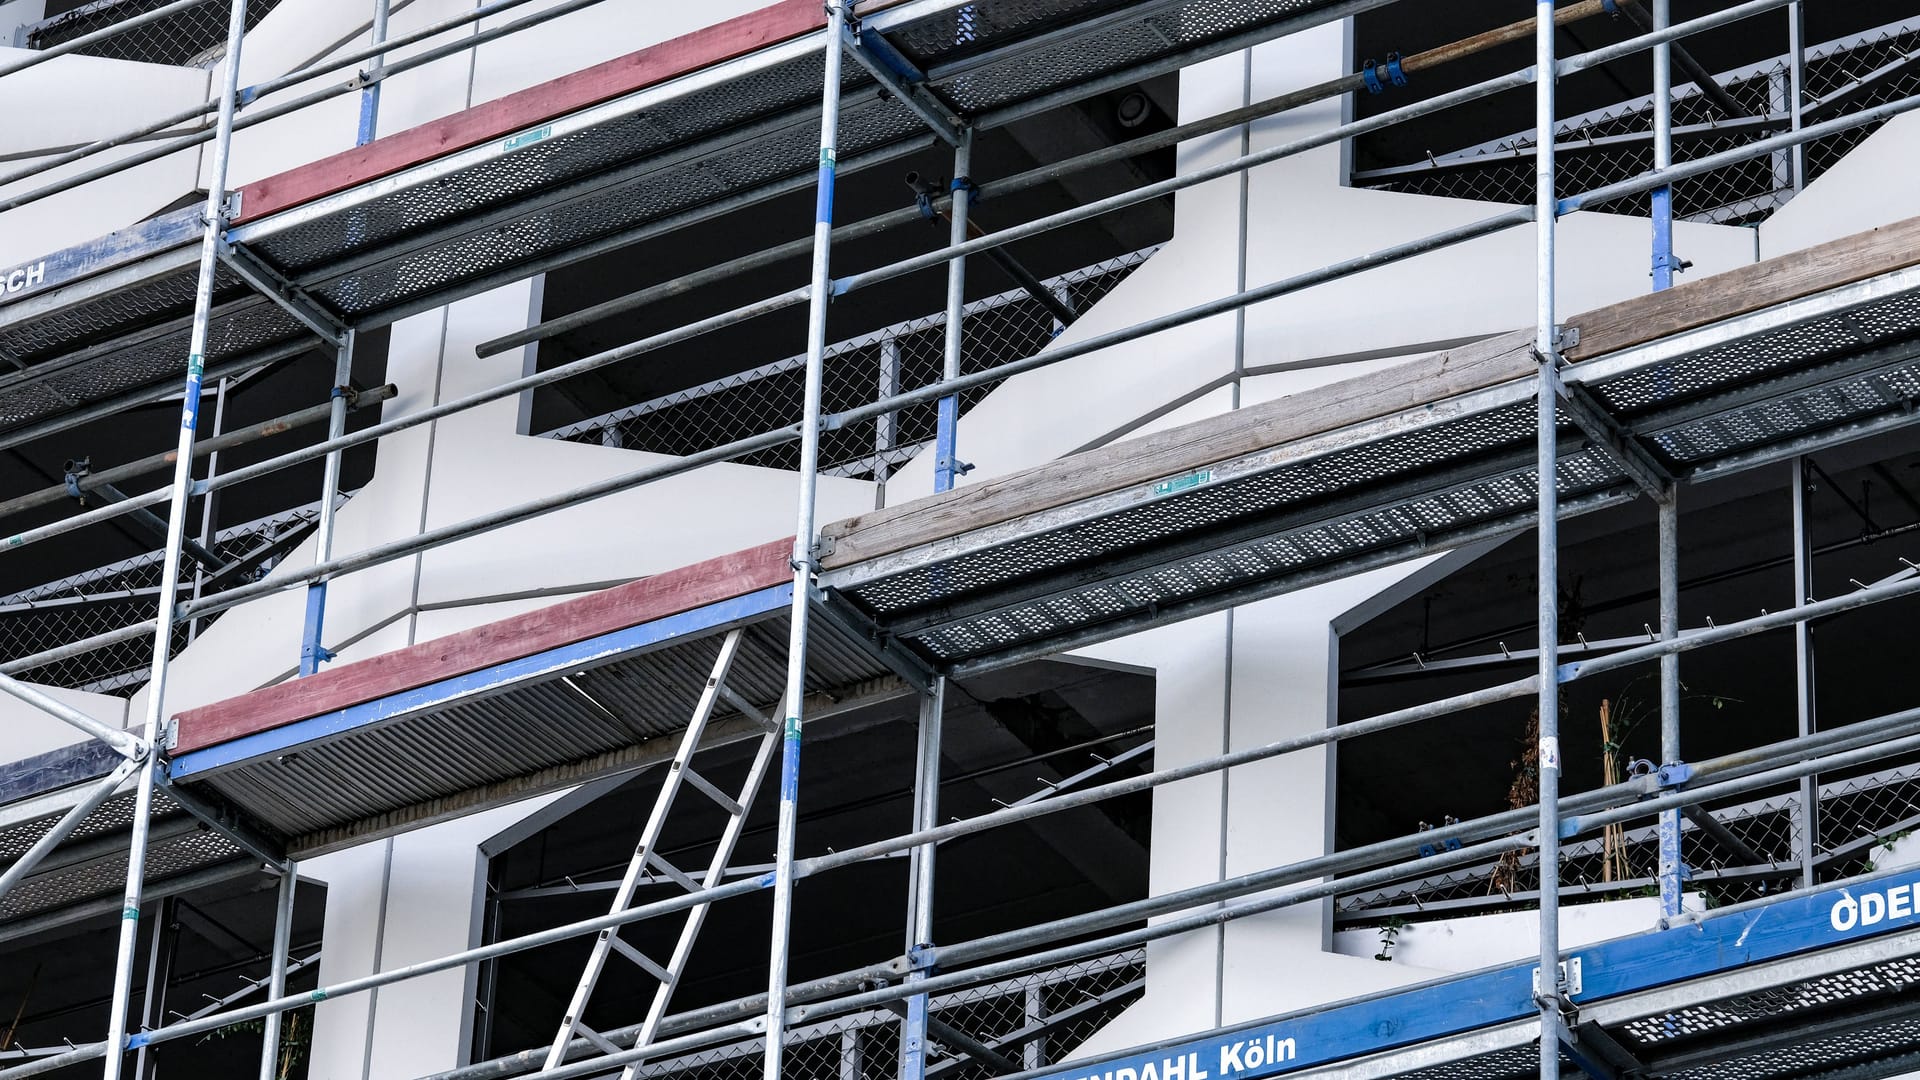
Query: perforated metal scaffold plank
[[1796, 986], [1419, 458], [590, 688], [567, 169]]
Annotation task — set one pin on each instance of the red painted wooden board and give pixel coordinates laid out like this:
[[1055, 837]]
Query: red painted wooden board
[[533, 106], [564, 623]]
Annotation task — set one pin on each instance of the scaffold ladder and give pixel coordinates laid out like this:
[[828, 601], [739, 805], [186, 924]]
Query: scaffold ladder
[[649, 866]]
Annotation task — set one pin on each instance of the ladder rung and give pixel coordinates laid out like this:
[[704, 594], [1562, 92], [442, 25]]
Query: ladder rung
[[706, 787], [644, 961], [605, 1044], [655, 860]]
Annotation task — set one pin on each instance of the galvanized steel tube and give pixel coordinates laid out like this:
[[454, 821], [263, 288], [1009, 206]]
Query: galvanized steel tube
[[215, 211]]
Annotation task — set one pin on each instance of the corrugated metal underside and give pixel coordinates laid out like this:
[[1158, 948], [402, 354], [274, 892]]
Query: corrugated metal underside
[[503, 743], [485, 216], [1817, 371]]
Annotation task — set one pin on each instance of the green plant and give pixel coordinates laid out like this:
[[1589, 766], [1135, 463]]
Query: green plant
[[1389, 934], [296, 1039]]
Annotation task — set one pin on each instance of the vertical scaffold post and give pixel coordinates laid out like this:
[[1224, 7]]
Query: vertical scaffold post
[[1805, 843], [947, 466], [1797, 89], [277, 972], [1546, 345], [312, 652], [1672, 865], [920, 878], [209, 503], [1662, 196], [804, 542], [370, 96], [215, 212], [1664, 265]]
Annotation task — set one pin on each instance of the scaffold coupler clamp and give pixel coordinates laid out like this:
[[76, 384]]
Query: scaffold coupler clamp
[[1567, 984], [966, 184], [1667, 260], [77, 470], [920, 958], [951, 464]]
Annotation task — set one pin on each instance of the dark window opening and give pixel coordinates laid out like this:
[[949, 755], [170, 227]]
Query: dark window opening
[[1006, 737], [1856, 58], [213, 944], [748, 378], [107, 576], [1475, 629]]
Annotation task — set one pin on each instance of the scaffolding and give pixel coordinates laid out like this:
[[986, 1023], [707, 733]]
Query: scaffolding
[[1492, 438]]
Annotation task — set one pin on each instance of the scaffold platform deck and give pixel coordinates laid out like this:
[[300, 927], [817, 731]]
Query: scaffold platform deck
[[566, 170], [1750, 366], [1815, 984]]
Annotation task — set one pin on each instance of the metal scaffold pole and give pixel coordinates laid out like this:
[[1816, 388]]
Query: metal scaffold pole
[[1664, 265], [215, 212], [946, 463], [277, 972], [1672, 865], [803, 541], [1806, 844], [1546, 347], [370, 97], [920, 879], [313, 652]]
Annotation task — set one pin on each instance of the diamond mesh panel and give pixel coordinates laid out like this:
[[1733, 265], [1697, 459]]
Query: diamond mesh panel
[[867, 1045], [1842, 78], [57, 613], [995, 331], [193, 36]]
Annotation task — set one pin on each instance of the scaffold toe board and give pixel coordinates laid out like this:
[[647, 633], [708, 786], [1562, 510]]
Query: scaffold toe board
[[568, 169], [1797, 986], [1767, 361], [583, 689], [84, 876]]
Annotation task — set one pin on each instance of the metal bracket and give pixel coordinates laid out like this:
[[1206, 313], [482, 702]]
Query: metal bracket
[[170, 733], [953, 465], [914, 671], [1625, 450], [892, 70], [1569, 984], [269, 283], [1670, 261]]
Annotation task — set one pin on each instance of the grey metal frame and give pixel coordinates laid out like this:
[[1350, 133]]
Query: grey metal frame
[[913, 978]]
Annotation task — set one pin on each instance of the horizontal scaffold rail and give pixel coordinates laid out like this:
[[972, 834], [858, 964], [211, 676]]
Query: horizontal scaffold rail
[[1756, 990], [566, 170], [1693, 382]]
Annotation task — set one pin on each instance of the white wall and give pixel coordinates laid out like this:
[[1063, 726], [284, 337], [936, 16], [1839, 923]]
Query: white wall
[[1227, 680], [26, 731]]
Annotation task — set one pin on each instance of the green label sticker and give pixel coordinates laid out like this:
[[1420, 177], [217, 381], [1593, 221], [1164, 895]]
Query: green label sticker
[[196, 365], [1182, 483], [527, 138]]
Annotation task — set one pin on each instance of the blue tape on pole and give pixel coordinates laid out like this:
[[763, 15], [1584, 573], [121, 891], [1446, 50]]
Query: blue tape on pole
[[790, 762], [823, 205], [190, 405]]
